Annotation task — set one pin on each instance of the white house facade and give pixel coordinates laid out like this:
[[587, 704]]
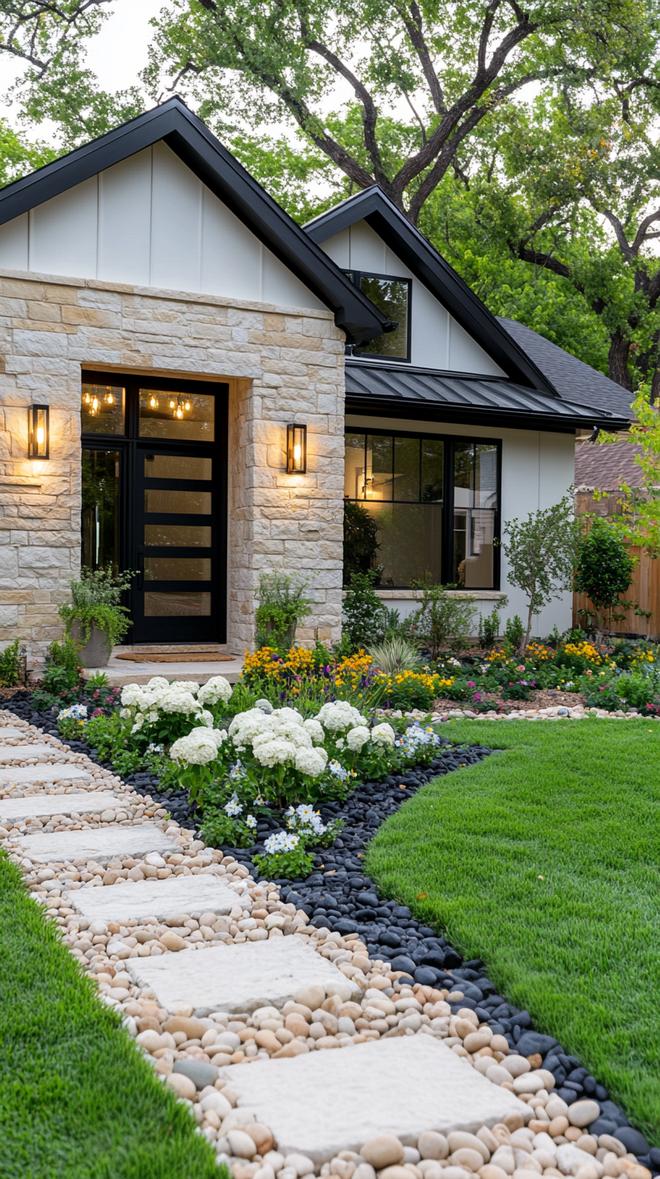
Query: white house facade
[[163, 322]]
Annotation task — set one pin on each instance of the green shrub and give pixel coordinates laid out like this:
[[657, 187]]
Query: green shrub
[[604, 566], [395, 654], [96, 602], [61, 679], [12, 665], [489, 629], [441, 622], [360, 541], [364, 616], [514, 632], [281, 606]]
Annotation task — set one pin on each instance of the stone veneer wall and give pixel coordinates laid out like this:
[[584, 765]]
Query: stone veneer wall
[[281, 365]]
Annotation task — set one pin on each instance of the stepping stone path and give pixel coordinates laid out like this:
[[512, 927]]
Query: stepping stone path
[[32, 805], [241, 977], [324, 1102], [201, 893], [96, 843], [51, 773], [247, 1008], [9, 753]]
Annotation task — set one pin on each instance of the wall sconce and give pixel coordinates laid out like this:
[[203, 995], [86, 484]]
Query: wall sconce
[[38, 432], [296, 449]]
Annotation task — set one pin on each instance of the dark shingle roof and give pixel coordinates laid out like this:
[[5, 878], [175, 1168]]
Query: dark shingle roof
[[607, 466], [572, 378]]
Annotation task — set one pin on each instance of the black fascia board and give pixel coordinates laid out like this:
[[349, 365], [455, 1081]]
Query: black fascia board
[[198, 148], [382, 215], [399, 410]]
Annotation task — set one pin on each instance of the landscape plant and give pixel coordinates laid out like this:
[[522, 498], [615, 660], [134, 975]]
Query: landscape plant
[[604, 566], [12, 665], [360, 541], [61, 678], [443, 621], [541, 552], [364, 617], [395, 654], [282, 604], [96, 604]]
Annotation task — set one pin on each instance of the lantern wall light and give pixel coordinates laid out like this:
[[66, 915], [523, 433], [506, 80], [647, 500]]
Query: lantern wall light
[[38, 431], [296, 449]]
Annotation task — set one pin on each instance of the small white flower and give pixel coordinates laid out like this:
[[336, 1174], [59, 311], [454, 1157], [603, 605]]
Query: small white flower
[[250, 821], [233, 807], [281, 841]]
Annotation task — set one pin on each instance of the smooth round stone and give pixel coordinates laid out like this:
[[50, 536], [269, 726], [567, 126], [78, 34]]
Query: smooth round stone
[[583, 1113], [200, 1072], [462, 1140], [241, 1144], [467, 1157], [183, 1086], [631, 1138], [432, 1145], [528, 1083], [395, 1173], [490, 1171], [383, 1151]]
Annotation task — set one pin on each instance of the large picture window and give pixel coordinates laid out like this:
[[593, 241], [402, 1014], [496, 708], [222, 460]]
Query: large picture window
[[421, 507], [391, 296]]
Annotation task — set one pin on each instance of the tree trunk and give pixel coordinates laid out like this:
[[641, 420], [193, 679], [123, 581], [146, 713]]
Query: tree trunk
[[525, 643], [618, 359]]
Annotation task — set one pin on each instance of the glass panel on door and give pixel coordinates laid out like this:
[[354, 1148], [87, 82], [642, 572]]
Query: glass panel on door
[[100, 532]]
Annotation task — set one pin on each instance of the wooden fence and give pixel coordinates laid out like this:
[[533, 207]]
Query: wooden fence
[[644, 589]]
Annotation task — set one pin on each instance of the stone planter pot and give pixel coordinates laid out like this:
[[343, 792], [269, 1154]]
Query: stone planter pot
[[96, 651]]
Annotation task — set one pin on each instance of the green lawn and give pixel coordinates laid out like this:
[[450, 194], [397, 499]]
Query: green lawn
[[543, 861], [77, 1100]]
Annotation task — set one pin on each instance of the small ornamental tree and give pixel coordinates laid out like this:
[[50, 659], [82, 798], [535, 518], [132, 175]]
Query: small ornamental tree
[[637, 516], [604, 566], [541, 553]]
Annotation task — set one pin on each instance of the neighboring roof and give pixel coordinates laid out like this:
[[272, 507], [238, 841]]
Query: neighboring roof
[[374, 207], [607, 466], [421, 392], [571, 377], [199, 149]]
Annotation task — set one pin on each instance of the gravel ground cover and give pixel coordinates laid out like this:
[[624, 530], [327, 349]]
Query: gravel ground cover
[[543, 861], [340, 896], [76, 1098]]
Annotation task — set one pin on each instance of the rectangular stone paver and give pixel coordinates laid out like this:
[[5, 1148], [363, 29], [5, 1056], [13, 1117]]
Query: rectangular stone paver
[[11, 732], [200, 893], [42, 772], [97, 843], [32, 805], [241, 977], [9, 753], [325, 1102]]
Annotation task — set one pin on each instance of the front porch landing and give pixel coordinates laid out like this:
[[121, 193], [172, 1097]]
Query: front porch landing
[[138, 671]]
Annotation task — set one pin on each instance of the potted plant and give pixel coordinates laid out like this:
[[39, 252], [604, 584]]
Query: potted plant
[[96, 619], [282, 605]]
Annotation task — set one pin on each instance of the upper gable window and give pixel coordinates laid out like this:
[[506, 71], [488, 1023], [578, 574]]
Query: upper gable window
[[392, 296]]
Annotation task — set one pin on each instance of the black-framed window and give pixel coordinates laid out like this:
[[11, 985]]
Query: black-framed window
[[422, 507], [392, 296]]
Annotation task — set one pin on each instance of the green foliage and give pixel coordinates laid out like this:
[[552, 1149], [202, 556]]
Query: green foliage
[[637, 517], [442, 621], [112, 741], [364, 615], [290, 865], [514, 633], [12, 665], [281, 606], [61, 679], [96, 602], [395, 654], [360, 540], [489, 629], [541, 552], [220, 830], [604, 567]]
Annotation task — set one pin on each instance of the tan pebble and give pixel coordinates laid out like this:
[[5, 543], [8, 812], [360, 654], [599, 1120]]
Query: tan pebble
[[300, 1164], [462, 1140], [311, 997], [468, 1157], [262, 1137], [394, 1172], [297, 1024], [633, 1169], [612, 1144], [582, 1113], [500, 1044], [241, 1144], [558, 1127], [479, 1039], [193, 1029], [505, 1159], [383, 1151], [294, 1048], [556, 1107], [150, 1040], [572, 1133], [455, 1173], [268, 1040], [432, 1145], [514, 1121], [364, 1171], [172, 941], [485, 1135], [182, 1086], [490, 1171], [587, 1142], [516, 1065]]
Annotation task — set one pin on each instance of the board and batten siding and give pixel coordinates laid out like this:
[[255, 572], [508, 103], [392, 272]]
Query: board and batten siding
[[437, 340], [150, 222], [538, 468]]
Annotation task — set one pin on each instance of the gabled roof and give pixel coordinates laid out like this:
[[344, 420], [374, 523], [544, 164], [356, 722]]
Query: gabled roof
[[379, 212], [198, 148], [607, 466], [571, 377], [422, 393]]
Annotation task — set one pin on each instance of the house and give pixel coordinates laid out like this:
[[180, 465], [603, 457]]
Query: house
[[165, 323]]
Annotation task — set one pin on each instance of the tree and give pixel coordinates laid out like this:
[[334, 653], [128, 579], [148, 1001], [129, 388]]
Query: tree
[[604, 567], [636, 519], [541, 553]]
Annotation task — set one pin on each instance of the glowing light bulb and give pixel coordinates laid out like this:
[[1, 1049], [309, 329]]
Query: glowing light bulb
[[41, 436], [95, 406], [186, 406], [179, 412], [172, 403], [297, 453], [109, 398], [153, 402]]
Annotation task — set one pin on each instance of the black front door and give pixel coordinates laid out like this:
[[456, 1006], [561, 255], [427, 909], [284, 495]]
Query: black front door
[[154, 500]]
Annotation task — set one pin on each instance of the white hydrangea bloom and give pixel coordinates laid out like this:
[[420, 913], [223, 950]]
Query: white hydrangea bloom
[[356, 738], [215, 690], [339, 715], [245, 726], [315, 730], [311, 761], [274, 752], [199, 747], [205, 718], [383, 734], [287, 714]]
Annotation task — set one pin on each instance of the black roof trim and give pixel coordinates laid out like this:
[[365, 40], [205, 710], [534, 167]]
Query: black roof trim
[[199, 149], [374, 207], [404, 392]]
